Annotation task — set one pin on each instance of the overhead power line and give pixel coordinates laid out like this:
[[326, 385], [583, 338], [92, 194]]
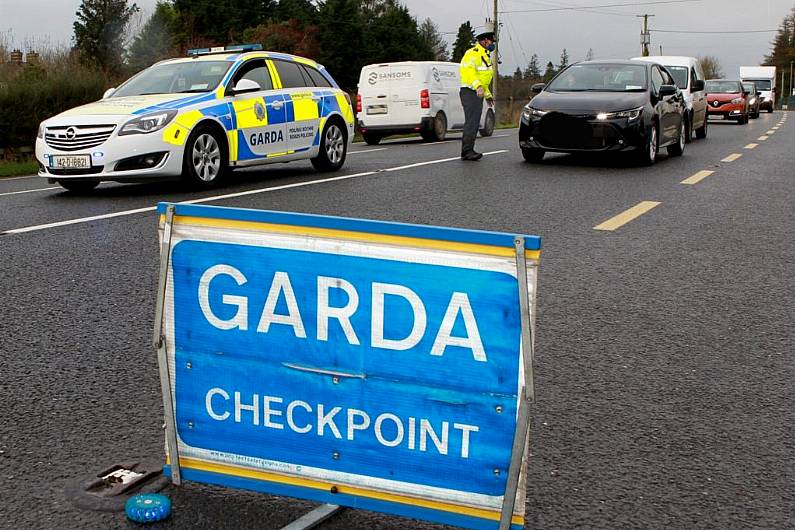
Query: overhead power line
[[578, 8], [715, 32]]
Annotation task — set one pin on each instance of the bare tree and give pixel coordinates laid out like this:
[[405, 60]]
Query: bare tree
[[710, 66]]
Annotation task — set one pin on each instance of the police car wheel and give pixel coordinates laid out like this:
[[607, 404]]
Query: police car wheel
[[333, 148], [78, 187], [205, 159]]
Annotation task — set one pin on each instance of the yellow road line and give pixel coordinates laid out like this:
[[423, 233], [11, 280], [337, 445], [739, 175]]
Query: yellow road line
[[732, 157], [771, 131], [751, 146], [698, 177], [762, 138], [774, 128], [623, 218]]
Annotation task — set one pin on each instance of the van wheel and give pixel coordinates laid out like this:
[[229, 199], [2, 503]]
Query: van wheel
[[333, 148], [488, 124], [79, 186], [701, 132], [205, 161], [372, 138]]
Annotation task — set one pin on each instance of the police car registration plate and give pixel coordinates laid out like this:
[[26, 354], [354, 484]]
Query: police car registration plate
[[70, 161]]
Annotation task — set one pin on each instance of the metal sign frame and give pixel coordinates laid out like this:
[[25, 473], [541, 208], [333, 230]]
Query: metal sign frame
[[523, 245]]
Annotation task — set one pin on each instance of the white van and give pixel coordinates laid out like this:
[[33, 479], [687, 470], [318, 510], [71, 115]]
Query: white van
[[690, 79], [413, 97], [764, 77]]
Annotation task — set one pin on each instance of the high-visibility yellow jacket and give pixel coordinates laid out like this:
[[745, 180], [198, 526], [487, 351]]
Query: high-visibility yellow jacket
[[476, 69]]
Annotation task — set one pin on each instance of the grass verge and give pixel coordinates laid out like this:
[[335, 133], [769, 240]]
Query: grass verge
[[15, 169]]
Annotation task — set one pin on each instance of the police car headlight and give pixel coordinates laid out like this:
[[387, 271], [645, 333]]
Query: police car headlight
[[148, 123], [40, 134], [631, 114]]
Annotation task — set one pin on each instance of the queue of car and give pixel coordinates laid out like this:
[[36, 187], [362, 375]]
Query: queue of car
[[218, 109]]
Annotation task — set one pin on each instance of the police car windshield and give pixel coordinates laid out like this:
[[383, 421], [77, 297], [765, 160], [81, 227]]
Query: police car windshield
[[600, 78], [175, 78]]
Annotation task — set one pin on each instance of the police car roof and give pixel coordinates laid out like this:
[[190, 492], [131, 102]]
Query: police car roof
[[233, 56]]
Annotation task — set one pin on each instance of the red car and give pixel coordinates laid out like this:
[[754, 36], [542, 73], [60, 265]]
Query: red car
[[727, 98]]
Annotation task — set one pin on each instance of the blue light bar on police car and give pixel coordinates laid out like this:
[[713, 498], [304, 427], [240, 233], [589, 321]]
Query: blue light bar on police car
[[223, 49]]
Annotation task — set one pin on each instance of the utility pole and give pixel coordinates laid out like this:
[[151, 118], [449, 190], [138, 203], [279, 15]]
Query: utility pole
[[789, 95], [495, 59], [645, 36]]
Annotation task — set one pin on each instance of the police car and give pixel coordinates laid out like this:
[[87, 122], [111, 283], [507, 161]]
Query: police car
[[198, 116]]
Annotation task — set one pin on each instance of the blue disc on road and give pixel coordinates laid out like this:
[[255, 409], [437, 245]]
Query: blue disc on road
[[148, 508]]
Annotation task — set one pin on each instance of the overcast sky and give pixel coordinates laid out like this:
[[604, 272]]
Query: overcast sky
[[612, 32]]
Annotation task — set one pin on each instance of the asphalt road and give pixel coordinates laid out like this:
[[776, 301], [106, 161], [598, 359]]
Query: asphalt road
[[665, 375]]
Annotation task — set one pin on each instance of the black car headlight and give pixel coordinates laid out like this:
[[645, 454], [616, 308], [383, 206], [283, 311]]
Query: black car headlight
[[530, 112], [631, 114], [148, 123]]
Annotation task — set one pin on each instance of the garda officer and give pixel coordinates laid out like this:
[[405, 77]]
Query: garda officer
[[476, 75]]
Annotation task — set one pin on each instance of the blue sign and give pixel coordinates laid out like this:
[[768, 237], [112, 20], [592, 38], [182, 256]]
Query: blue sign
[[317, 359]]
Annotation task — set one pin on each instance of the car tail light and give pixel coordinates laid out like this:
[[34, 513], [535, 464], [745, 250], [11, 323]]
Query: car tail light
[[358, 102], [425, 99]]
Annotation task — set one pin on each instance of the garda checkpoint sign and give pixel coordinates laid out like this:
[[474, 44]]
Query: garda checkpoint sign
[[366, 364]]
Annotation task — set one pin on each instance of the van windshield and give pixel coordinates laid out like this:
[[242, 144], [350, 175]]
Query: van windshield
[[680, 74], [761, 84]]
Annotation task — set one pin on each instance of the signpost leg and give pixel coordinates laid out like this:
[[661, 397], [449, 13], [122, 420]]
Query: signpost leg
[[315, 517], [159, 342], [527, 394]]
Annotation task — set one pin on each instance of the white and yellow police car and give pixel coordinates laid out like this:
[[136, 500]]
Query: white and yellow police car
[[198, 116]]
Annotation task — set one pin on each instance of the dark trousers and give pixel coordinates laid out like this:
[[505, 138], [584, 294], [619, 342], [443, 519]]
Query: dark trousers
[[473, 108]]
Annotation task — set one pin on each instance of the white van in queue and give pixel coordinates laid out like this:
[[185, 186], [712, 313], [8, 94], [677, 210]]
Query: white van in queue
[[413, 97], [689, 78]]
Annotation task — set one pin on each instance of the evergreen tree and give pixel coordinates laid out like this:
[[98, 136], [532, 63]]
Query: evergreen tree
[[589, 55], [463, 41], [533, 70], [783, 53], [564, 60], [393, 35], [550, 72], [155, 41], [517, 74], [433, 39], [340, 34], [303, 11], [207, 22], [99, 32]]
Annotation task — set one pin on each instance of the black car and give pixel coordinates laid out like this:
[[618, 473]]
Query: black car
[[605, 106]]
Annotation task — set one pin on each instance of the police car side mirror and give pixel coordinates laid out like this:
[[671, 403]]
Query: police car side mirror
[[537, 88], [246, 85], [108, 93]]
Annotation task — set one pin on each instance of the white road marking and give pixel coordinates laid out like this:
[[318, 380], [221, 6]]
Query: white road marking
[[233, 195], [367, 151], [437, 143], [29, 191]]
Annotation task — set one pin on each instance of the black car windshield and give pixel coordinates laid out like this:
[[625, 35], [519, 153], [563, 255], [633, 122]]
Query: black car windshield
[[173, 78], [681, 74], [601, 78], [722, 87]]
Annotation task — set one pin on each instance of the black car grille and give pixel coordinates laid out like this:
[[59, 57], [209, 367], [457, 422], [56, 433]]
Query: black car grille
[[564, 131], [77, 137]]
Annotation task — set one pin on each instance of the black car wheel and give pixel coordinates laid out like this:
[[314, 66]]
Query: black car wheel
[[701, 132], [679, 147], [647, 154], [532, 154]]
